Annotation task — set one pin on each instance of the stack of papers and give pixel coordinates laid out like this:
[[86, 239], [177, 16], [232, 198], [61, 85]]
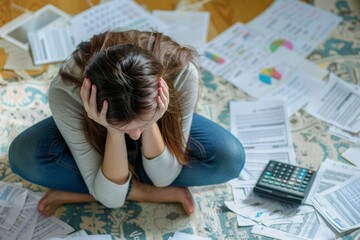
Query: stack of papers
[[19, 217], [265, 58], [264, 130], [56, 44], [333, 199]]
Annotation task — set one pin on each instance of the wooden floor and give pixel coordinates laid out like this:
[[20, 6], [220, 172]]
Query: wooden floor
[[223, 13]]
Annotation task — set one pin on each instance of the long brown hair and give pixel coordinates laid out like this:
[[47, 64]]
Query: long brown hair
[[126, 67]]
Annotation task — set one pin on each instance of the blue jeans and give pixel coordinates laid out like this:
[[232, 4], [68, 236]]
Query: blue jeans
[[40, 155]]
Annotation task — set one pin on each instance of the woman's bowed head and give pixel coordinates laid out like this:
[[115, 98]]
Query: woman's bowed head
[[132, 127], [124, 128]]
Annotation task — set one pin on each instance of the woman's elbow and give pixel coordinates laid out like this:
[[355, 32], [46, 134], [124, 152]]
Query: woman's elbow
[[110, 199], [112, 203]]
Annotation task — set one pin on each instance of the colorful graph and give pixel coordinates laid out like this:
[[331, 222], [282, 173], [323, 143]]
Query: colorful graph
[[281, 42], [268, 74], [215, 57]]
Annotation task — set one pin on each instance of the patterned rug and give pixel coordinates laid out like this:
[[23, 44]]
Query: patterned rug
[[25, 102]]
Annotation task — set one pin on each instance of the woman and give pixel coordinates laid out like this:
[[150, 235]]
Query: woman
[[123, 127]]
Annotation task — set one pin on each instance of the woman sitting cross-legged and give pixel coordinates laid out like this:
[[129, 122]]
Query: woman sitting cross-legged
[[123, 127]]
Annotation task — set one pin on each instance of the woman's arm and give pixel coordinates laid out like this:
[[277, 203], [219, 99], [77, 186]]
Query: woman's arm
[[67, 110], [152, 141], [115, 163], [164, 167]]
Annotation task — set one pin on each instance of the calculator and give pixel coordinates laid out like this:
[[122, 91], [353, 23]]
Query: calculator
[[285, 182]]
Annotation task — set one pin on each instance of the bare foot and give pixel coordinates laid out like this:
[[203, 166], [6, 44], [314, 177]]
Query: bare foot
[[53, 199], [187, 202], [141, 192]]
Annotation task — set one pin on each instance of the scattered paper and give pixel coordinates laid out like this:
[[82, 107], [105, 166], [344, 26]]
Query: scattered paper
[[337, 103], [261, 124], [353, 154], [340, 205], [295, 25], [186, 28], [56, 44]]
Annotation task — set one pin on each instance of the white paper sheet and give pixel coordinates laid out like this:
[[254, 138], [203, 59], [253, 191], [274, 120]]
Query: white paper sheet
[[16, 30], [12, 200], [353, 154], [280, 71], [241, 56], [337, 103], [186, 236], [56, 44], [352, 137], [330, 174], [261, 124], [312, 227], [296, 91], [187, 28], [256, 162], [296, 25], [340, 205], [23, 227], [113, 15]]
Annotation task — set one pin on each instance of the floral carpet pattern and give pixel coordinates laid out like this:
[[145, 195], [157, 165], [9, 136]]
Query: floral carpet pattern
[[25, 102]]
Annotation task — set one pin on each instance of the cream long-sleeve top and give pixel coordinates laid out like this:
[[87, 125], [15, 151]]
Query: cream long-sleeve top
[[67, 110]]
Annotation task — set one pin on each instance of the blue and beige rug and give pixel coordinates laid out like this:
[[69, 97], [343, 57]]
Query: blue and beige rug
[[24, 103]]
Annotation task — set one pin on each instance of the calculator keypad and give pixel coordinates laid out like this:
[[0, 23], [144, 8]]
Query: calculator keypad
[[288, 177]]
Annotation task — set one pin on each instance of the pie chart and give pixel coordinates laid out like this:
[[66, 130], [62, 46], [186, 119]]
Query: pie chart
[[268, 74], [281, 42]]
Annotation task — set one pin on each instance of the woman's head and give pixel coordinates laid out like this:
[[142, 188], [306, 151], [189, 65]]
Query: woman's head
[[127, 77], [126, 67]]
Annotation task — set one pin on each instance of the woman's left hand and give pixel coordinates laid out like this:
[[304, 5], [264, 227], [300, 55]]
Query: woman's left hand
[[163, 99]]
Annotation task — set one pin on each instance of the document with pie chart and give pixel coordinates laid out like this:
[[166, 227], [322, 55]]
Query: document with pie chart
[[278, 69]]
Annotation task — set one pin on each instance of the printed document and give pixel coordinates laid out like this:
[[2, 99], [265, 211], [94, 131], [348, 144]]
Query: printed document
[[256, 160], [12, 200], [186, 28], [337, 103], [353, 154], [186, 236], [240, 55], [261, 124], [280, 74], [351, 137], [340, 205], [330, 174], [56, 44], [312, 227], [295, 25], [296, 91]]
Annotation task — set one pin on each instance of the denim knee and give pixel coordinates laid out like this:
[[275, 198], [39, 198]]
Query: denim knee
[[17, 156], [233, 155], [21, 154]]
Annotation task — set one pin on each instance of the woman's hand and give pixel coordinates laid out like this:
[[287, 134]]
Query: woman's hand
[[163, 99], [88, 96]]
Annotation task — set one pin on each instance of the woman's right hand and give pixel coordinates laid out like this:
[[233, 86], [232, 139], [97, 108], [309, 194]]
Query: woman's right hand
[[88, 96]]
